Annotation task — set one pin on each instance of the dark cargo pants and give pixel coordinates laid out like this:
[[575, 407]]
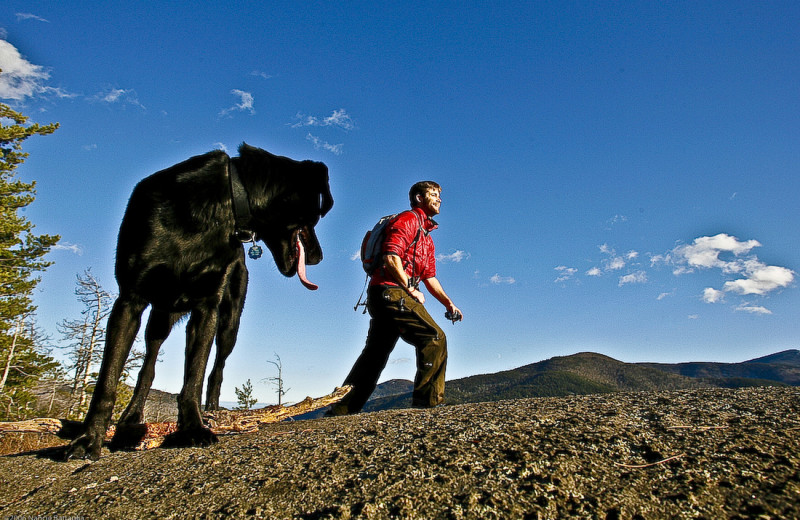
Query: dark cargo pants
[[397, 315]]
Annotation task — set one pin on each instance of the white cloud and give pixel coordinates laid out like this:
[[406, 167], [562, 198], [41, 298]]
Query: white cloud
[[245, 104], [594, 271], [324, 145], [497, 279], [19, 78], [221, 146], [665, 294], [637, 277], [617, 219], [711, 295], [704, 252], [761, 279], [756, 277], [119, 95], [565, 273], [614, 262], [753, 309], [66, 246], [29, 16], [455, 256], [339, 118], [261, 74], [694, 316]]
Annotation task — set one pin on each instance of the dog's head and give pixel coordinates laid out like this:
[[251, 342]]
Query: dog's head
[[287, 199]]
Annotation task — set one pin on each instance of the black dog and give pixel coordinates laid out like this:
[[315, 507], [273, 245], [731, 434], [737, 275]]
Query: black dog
[[180, 251]]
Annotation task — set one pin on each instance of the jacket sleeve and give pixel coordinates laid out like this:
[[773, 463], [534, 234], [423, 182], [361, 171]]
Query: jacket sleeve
[[430, 266], [400, 234]]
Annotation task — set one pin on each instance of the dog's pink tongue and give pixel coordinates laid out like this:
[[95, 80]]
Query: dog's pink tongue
[[301, 267]]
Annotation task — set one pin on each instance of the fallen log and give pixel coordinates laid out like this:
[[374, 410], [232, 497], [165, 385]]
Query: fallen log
[[152, 435]]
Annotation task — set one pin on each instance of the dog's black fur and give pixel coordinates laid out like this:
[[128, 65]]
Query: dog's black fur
[[178, 252]]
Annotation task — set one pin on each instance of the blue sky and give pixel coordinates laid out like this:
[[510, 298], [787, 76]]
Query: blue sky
[[617, 177]]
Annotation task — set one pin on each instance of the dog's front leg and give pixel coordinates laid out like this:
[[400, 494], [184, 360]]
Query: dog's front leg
[[199, 337], [230, 312], [123, 324]]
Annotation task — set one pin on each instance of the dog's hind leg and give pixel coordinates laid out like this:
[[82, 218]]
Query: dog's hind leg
[[158, 328], [123, 324], [230, 312], [199, 336]]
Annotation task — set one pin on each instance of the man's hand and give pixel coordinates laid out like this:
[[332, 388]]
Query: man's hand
[[453, 313], [417, 294]]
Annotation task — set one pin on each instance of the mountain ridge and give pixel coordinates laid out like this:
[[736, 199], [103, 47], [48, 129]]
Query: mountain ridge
[[593, 373]]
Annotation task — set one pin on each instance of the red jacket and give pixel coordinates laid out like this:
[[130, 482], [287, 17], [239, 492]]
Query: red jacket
[[419, 259]]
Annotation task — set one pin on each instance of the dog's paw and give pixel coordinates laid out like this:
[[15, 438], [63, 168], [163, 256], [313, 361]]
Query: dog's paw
[[199, 436], [86, 446]]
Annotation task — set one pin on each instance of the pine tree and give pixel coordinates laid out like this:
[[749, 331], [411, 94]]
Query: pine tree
[[21, 253], [245, 396]]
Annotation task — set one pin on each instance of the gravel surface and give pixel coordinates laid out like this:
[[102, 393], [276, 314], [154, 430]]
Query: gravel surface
[[690, 454]]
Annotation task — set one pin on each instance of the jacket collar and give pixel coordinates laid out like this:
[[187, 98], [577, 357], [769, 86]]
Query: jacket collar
[[428, 224]]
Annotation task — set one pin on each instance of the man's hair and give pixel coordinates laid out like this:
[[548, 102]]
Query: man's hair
[[421, 188]]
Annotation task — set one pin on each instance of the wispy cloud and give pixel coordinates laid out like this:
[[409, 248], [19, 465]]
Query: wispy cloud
[[261, 74], [245, 104], [612, 260], [66, 246], [320, 144], [21, 79], [665, 295], [635, 277], [502, 280], [339, 119], [30, 16], [564, 273], [119, 96], [753, 309], [742, 271], [616, 219], [455, 256]]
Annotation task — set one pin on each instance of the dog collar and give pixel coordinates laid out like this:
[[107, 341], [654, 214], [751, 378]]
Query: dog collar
[[241, 206]]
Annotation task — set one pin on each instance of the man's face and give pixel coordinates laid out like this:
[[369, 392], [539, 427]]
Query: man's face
[[431, 202]]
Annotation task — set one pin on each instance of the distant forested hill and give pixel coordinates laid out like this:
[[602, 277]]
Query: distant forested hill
[[591, 373]]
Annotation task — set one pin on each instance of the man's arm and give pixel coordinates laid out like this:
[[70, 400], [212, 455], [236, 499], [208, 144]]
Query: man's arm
[[394, 267], [435, 288]]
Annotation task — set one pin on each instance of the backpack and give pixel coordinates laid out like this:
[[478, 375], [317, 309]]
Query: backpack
[[371, 250], [372, 244]]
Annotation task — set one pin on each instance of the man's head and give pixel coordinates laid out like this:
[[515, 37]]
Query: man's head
[[426, 195]]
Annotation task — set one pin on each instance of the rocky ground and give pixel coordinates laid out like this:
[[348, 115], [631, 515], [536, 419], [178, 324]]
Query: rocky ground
[[689, 454]]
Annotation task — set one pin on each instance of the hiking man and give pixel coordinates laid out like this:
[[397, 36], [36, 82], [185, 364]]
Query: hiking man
[[396, 306]]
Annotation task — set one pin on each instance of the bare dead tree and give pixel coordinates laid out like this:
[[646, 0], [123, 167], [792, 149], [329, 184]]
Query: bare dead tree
[[86, 335], [278, 381]]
